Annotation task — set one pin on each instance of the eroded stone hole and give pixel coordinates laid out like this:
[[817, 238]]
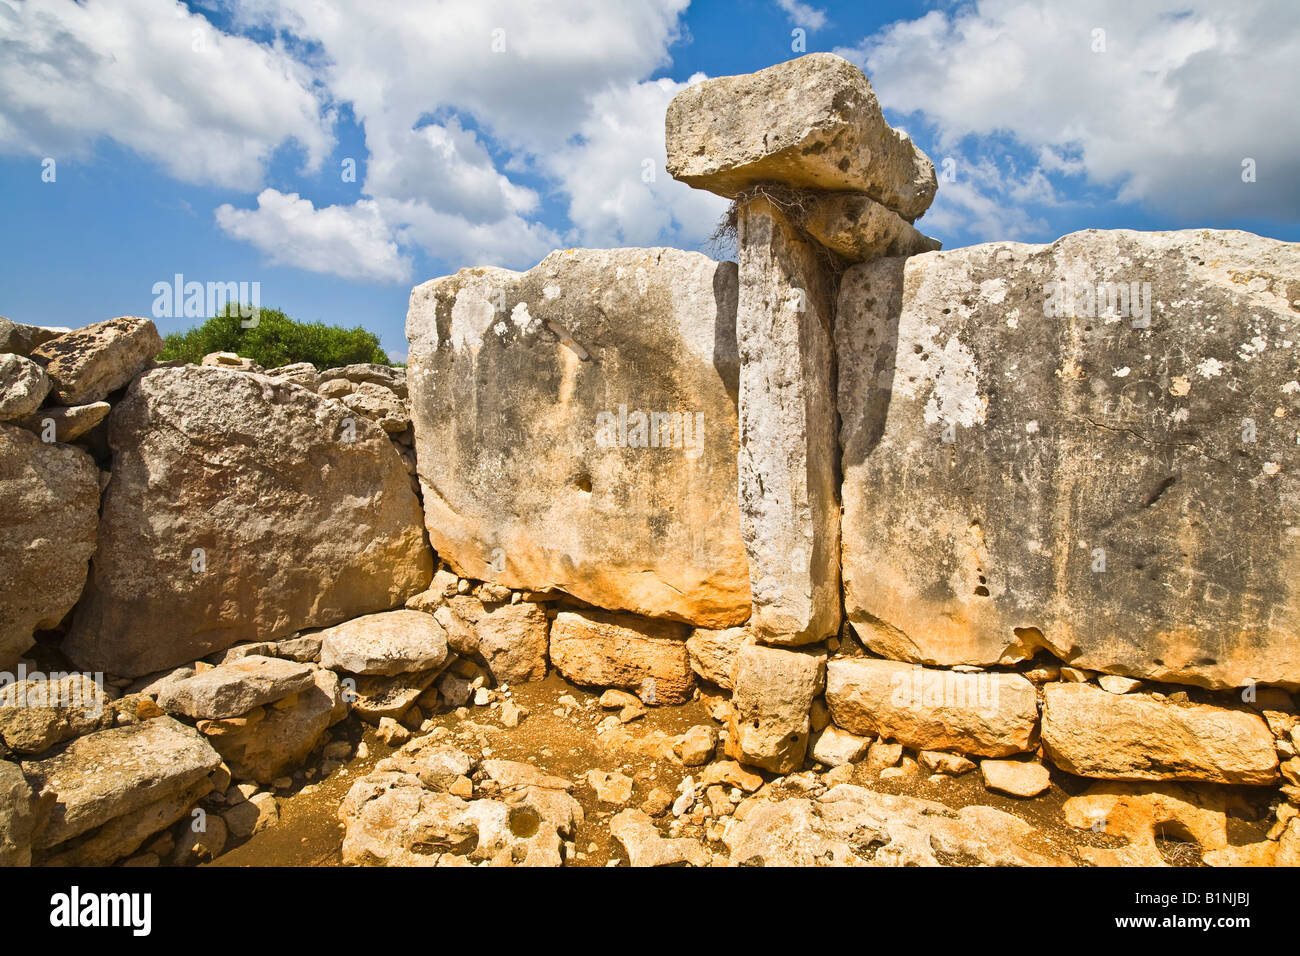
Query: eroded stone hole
[[583, 483], [524, 822], [1176, 845]]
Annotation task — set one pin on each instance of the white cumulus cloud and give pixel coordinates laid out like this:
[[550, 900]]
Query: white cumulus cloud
[[207, 106]]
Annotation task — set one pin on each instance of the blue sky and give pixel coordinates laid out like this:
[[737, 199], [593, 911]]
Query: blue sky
[[210, 139]]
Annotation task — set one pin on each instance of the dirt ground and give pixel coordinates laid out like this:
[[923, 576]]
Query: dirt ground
[[563, 741]]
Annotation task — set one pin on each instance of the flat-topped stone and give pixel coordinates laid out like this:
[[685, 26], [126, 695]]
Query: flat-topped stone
[[387, 643], [810, 122], [235, 688], [106, 774]]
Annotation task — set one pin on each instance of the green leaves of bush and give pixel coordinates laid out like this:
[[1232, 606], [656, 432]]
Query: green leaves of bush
[[276, 340]]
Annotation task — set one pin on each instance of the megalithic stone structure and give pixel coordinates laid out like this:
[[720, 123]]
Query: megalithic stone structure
[[819, 180]]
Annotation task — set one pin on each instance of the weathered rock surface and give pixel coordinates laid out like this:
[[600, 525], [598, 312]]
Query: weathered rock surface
[[1139, 813], [300, 373], [22, 339], [646, 846], [23, 386], [1088, 732], [835, 747], [113, 772], [859, 228], [381, 405], [125, 834], [510, 639], [394, 817], [789, 501], [235, 688], [49, 510], [852, 826], [775, 687], [713, 653], [376, 697], [240, 510], [269, 740], [609, 379], [813, 121], [986, 714], [17, 816], [1020, 778], [387, 643], [84, 365], [648, 657], [393, 379], [1078, 443], [69, 423], [37, 713]]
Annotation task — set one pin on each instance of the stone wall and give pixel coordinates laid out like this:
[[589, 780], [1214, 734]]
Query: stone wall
[[1026, 509]]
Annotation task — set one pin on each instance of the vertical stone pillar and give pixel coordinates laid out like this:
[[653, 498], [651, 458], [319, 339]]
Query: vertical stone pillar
[[819, 179], [788, 457]]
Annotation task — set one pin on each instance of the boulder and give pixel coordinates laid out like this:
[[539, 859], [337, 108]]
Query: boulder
[[713, 653], [775, 687], [49, 510], [609, 379], [598, 649], [300, 373], [834, 747], [391, 378], [23, 386], [283, 735], [985, 714], [646, 846], [510, 639], [859, 228], [381, 405], [85, 365], [235, 688], [68, 424], [789, 500], [1019, 778], [853, 826], [387, 643], [17, 816], [375, 697], [231, 360], [1091, 733], [22, 339], [241, 508], [123, 835], [1024, 468], [813, 122], [39, 712], [113, 772]]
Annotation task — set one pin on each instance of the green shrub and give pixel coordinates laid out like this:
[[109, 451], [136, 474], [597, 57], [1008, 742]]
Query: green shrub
[[276, 340]]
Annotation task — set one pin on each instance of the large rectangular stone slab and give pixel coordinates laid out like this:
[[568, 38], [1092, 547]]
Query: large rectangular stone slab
[[1120, 489], [812, 122], [789, 498], [576, 429], [986, 714], [1088, 732]]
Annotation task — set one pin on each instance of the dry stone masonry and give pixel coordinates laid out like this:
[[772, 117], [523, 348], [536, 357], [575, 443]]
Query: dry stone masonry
[[682, 562]]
